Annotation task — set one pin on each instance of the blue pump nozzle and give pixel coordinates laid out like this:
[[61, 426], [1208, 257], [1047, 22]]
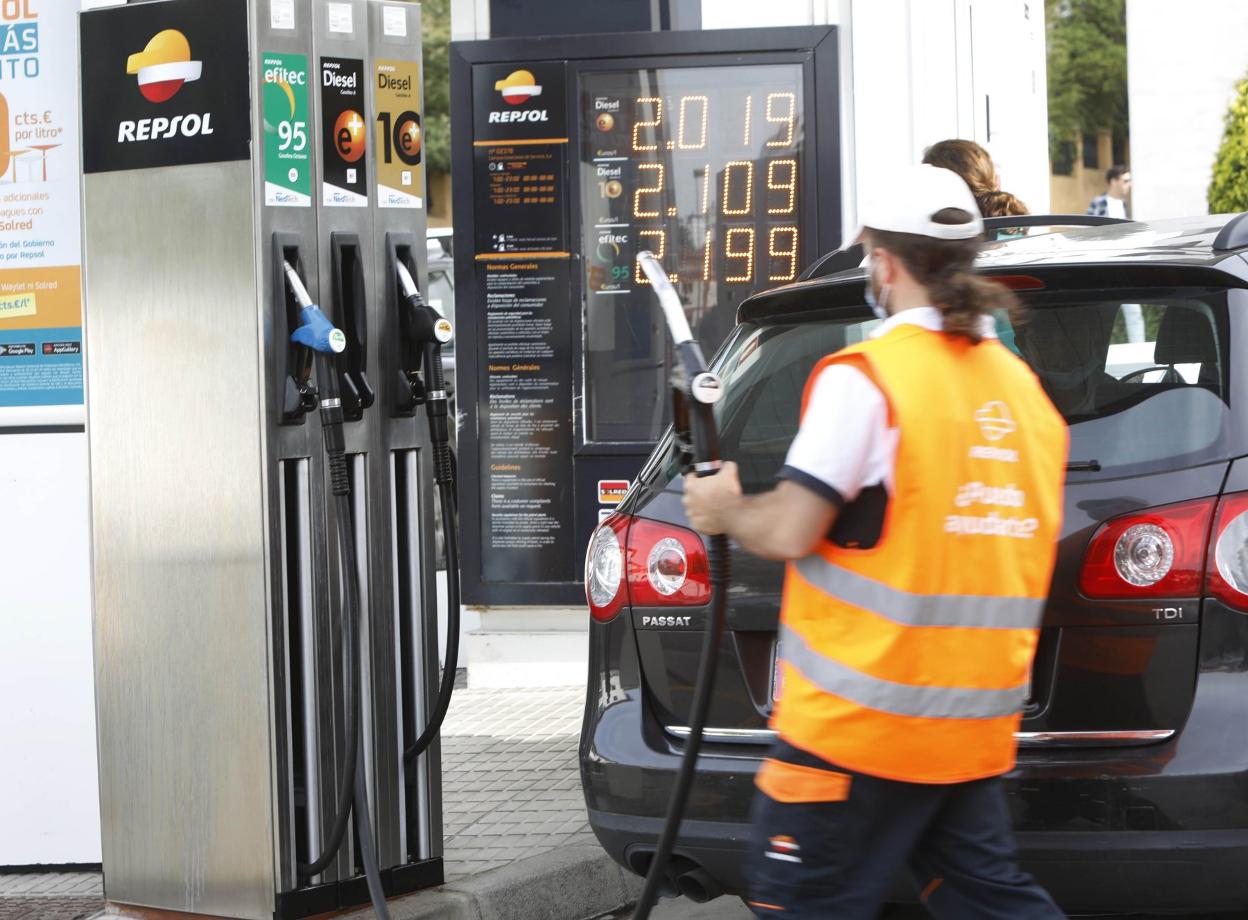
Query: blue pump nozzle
[[318, 333]]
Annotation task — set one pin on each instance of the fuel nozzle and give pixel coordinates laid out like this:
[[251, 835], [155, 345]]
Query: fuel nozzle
[[300, 393], [318, 338], [424, 331], [695, 389]]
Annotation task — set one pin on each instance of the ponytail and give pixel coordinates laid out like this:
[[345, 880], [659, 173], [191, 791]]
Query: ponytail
[[964, 298]]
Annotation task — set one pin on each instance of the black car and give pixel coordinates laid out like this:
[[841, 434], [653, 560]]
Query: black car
[[1131, 790]]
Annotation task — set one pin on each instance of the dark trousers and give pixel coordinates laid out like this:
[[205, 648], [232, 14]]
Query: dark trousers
[[819, 860]]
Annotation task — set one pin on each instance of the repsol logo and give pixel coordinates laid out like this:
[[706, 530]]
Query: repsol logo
[[499, 118], [160, 128], [683, 622]]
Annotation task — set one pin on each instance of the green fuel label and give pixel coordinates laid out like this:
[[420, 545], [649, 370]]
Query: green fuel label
[[287, 151]]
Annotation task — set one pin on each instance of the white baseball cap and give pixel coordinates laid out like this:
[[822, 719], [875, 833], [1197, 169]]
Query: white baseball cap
[[913, 195]]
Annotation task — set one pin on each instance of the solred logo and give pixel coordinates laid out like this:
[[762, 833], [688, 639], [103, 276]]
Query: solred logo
[[164, 65]]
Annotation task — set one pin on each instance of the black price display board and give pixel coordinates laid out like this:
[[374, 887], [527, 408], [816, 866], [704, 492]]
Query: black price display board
[[719, 152]]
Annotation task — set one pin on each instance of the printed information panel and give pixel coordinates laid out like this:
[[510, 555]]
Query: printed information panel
[[40, 300], [523, 284]]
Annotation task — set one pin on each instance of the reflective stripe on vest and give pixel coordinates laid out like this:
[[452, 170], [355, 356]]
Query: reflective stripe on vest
[[984, 612], [924, 702]]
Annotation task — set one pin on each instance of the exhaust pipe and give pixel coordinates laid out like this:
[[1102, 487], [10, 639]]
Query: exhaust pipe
[[698, 886]]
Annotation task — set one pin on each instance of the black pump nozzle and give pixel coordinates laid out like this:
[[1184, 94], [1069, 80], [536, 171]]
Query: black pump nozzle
[[424, 332]]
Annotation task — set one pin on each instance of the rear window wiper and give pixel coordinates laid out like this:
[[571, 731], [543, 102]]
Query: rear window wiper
[[1083, 466]]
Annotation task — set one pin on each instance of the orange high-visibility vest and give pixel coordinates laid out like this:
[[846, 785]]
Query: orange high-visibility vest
[[910, 660]]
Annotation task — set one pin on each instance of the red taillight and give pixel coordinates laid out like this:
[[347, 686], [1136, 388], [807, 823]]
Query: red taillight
[[1228, 552], [666, 566], [1155, 553], [645, 563], [605, 590]]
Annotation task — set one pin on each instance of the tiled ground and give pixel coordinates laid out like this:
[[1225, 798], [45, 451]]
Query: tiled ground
[[510, 785], [510, 789], [50, 896]]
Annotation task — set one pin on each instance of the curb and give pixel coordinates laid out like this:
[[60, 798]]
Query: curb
[[570, 883]]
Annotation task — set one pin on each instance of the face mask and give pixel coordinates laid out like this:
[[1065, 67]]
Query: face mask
[[878, 306]]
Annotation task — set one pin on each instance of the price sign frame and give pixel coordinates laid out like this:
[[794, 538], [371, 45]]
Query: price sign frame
[[509, 486]]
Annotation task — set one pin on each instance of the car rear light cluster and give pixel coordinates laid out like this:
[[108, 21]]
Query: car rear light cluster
[[1155, 553], [646, 564], [1228, 568], [1183, 550]]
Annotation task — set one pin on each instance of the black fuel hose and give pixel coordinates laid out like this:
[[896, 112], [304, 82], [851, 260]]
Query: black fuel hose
[[352, 790], [695, 391], [364, 834], [444, 477], [350, 656], [720, 565]]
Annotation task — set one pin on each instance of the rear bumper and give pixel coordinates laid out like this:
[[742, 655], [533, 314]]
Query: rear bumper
[[1084, 871], [1161, 827], [1158, 827]]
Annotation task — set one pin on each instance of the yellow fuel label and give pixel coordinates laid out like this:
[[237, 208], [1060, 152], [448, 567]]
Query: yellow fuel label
[[400, 135]]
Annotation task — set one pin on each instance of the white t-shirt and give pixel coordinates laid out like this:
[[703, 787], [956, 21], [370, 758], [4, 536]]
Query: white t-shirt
[[845, 444], [1115, 207]]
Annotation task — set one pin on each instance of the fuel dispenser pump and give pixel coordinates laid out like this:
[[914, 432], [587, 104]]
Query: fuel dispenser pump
[[317, 336], [694, 390], [266, 640]]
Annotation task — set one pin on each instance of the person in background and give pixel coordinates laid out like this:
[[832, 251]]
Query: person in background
[[974, 164], [1114, 202]]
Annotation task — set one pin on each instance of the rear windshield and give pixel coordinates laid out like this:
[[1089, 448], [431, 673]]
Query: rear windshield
[[1140, 376]]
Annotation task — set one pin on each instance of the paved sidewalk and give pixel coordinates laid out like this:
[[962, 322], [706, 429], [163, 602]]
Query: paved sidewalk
[[517, 842], [50, 896], [510, 784]]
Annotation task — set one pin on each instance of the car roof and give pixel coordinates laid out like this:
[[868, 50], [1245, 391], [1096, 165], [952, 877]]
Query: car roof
[[1172, 243], [1177, 241]]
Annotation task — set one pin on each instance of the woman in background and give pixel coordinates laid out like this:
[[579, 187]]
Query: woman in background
[[974, 164]]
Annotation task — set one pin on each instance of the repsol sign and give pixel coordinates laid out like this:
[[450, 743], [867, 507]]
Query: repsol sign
[[167, 84], [159, 128], [501, 118]]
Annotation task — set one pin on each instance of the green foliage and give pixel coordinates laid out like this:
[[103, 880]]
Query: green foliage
[[1087, 51], [436, 24], [1228, 191]]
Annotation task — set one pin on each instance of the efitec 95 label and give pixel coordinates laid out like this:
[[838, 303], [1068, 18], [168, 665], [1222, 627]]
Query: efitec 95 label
[[287, 148]]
